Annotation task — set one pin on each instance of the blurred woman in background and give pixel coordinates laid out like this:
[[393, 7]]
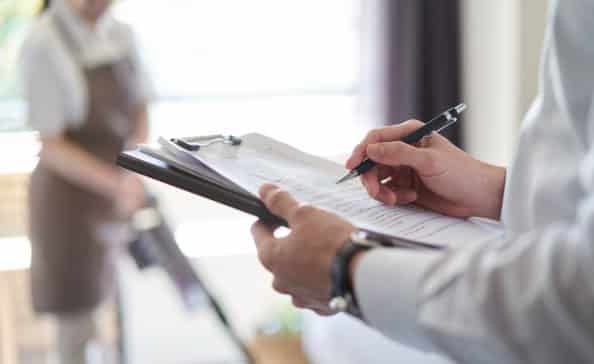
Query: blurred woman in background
[[87, 96]]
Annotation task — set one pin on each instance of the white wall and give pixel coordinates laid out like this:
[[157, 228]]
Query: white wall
[[533, 18], [501, 43]]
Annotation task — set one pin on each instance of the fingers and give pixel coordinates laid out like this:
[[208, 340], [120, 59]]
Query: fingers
[[388, 133], [398, 190], [404, 196], [396, 196], [404, 178], [371, 181], [438, 204], [279, 202], [386, 196], [384, 172], [266, 243], [357, 156], [401, 154]]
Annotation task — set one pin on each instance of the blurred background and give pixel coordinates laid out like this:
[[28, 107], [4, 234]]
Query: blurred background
[[315, 74]]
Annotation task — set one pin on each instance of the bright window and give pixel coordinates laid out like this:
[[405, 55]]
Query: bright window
[[289, 69], [15, 17], [285, 68], [282, 67], [218, 48]]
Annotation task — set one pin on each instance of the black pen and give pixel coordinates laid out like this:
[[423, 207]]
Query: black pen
[[437, 124]]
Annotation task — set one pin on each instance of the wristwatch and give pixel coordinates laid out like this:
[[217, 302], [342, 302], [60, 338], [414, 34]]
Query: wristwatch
[[342, 297]]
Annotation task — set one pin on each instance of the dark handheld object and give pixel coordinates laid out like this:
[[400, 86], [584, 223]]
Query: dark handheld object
[[141, 163], [436, 124], [156, 246]]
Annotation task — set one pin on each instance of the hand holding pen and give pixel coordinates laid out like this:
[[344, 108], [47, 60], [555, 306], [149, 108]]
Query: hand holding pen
[[439, 176], [437, 124]]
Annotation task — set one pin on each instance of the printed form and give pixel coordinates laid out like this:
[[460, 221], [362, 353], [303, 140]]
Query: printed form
[[311, 179]]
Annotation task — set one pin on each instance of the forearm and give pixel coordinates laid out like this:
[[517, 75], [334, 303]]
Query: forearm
[[141, 133], [386, 285], [491, 183], [528, 300], [81, 168]]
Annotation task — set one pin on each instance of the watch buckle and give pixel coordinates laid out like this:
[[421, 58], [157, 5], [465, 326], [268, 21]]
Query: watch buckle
[[339, 303]]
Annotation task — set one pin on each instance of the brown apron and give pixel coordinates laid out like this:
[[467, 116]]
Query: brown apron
[[72, 267]]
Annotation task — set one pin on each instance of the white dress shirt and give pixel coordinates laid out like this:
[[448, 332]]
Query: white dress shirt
[[529, 299], [55, 87]]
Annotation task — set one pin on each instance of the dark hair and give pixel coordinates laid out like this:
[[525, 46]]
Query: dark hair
[[45, 5]]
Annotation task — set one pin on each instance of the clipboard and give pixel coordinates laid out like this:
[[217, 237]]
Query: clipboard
[[150, 166], [206, 183]]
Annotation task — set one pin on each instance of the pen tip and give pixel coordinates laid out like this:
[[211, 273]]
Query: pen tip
[[346, 177]]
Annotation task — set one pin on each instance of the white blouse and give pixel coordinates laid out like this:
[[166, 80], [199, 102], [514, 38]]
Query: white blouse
[[54, 83]]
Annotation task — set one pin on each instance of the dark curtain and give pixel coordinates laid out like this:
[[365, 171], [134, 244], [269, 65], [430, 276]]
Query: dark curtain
[[423, 39]]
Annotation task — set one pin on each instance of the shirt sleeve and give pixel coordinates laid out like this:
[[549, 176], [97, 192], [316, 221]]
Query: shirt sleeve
[[46, 109], [526, 300], [143, 88], [392, 307]]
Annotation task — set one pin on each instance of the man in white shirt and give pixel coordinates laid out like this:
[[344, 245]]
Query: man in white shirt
[[527, 299]]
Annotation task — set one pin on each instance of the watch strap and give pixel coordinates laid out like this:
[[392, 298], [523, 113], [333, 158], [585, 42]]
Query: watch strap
[[342, 296]]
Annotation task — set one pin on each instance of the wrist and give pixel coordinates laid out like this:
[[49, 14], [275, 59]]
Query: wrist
[[112, 183], [353, 268], [342, 295], [493, 187]]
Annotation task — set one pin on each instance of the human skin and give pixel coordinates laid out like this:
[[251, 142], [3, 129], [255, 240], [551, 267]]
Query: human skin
[[75, 164], [434, 174]]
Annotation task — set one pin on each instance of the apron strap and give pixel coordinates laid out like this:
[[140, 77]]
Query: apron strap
[[67, 39]]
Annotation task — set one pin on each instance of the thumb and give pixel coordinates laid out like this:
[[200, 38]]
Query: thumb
[[400, 154], [279, 202]]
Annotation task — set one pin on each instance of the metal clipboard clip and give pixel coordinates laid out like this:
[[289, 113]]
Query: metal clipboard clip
[[196, 143]]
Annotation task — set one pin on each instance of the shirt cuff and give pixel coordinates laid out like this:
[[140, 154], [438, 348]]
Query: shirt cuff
[[387, 289]]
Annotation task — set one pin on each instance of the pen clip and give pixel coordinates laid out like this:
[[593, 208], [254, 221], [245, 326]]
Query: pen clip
[[450, 120]]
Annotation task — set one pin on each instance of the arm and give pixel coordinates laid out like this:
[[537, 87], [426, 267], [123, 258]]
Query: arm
[[76, 165], [47, 91], [143, 91], [141, 134], [437, 175], [526, 300]]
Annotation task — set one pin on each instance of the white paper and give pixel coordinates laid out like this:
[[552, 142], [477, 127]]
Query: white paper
[[312, 179]]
